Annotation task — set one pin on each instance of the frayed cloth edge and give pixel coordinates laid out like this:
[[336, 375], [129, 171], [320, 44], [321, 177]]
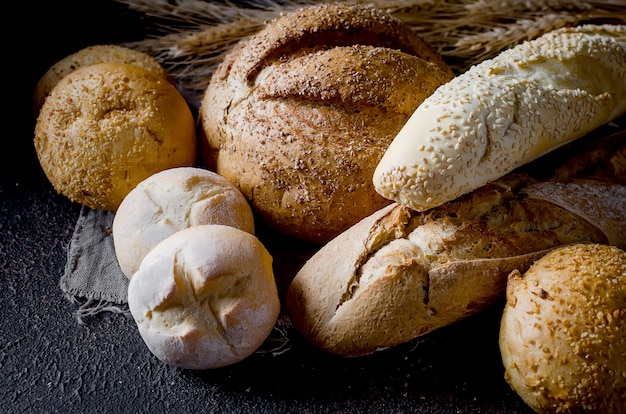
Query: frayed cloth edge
[[92, 307]]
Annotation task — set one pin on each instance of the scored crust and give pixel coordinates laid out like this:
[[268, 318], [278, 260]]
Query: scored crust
[[610, 198], [205, 297], [297, 115], [330, 24], [172, 200], [399, 274]]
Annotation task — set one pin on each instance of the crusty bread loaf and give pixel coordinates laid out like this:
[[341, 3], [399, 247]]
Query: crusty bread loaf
[[505, 112], [90, 55], [399, 274], [563, 331], [298, 115], [608, 196], [205, 297], [173, 200], [106, 127]]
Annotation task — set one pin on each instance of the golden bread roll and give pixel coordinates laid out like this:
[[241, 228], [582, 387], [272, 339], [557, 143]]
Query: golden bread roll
[[173, 200], [91, 55], [298, 115], [563, 331], [506, 112], [205, 297], [106, 127], [399, 274]]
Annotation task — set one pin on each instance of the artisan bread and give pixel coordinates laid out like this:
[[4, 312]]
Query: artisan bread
[[106, 127], [173, 200], [205, 297], [399, 274], [91, 55], [609, 196], [298, 115], [505, 112], [563, 331]]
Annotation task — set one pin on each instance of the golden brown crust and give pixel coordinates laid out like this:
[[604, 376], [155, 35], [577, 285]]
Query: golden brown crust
[[91, 55], [563, 331], [399, 274], [330, 25], [298, 115], [106, 127], [609, 197]]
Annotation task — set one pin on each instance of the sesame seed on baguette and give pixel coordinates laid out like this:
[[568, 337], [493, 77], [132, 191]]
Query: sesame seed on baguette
[[504, 113]]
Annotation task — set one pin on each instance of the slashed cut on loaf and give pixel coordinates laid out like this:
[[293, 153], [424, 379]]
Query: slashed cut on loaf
[[400, 274], [205, 297], [170, 201], [298, 115]]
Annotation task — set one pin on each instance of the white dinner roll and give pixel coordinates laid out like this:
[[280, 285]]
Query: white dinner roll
[[205, 297], [172, 200], [563, 331]]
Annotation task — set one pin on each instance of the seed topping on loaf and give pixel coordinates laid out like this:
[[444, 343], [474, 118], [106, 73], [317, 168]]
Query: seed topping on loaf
[[563, 336], [298, 115], [332, 24], [505, 112]]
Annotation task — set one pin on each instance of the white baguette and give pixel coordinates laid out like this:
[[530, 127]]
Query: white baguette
[[504, 113]]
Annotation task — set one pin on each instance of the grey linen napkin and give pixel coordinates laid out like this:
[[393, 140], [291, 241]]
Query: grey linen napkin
[[92, 277], [94, 281]]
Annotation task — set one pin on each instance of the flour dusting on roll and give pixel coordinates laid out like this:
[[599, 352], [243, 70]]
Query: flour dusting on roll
[[173, 200], [205, 297], [504, 113]]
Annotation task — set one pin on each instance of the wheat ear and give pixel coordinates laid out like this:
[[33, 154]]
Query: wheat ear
[[194, 35]]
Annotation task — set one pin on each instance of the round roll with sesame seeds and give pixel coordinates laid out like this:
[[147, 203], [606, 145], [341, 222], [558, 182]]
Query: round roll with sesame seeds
[[92, 55], [504, 113], [563, 331], [298, 115], [106, 127]]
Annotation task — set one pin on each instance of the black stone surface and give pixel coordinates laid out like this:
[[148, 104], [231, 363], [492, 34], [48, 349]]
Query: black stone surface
[[50, 363]]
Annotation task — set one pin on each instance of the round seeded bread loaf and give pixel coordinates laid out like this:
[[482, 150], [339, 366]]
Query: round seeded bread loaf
[[298, 115], [563, 331], [106, 127]]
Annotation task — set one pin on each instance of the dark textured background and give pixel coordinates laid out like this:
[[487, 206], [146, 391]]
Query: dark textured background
[[50, 363]]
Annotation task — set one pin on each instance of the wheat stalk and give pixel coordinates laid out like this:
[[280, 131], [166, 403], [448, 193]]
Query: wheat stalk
[[195, 34]]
